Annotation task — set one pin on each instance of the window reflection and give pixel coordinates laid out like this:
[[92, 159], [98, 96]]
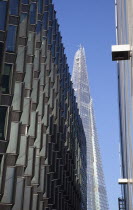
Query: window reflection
[[49, 35], [25, 1], [38, 27], [33, 13], [13, 7], [46, 2], [2, 14], [40, 6], [1, 52], [6, 79], [51, 12], [23, 24], [11, 38], [45, 20], [3, 113]]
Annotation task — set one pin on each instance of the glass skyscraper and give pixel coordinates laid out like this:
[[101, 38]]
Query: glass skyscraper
[[96, 192]]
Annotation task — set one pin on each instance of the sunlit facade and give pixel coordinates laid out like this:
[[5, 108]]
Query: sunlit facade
[[124, 36], [96, 192]]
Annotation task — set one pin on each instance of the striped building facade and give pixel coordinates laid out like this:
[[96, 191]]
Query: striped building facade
[[42, 142]]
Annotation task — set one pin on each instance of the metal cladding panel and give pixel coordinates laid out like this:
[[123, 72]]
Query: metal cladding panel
[[34, 201], [26, 110], [27, 198], [32, 128], [20, 59], [23, 24], [35, 179], [9, 185], [30, 163], [40, 104], [13, 141], [19, 194], [21, 160], [124, 37], [36, 60], [28, 76], [30, 43], [38, 141], [16, 103], [34, 94], [42, 75]]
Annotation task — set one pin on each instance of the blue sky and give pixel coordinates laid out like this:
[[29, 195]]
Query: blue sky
[[92, 24]]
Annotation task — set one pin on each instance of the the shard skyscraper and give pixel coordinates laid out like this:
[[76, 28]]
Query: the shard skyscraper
[[96, 191]]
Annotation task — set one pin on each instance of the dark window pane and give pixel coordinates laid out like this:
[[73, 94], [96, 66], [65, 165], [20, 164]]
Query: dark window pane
[[40, 6], [25, 1], [1, 52], [6, 78], [2, 14], [51, 12], [3, 111], [49, 35], [53, 49], [38, 27], [33, 13], [13, 7], [46, 2], [45, 20], [11, 38]]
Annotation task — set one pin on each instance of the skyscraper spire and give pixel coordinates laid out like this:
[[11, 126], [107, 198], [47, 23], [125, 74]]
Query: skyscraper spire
[[96, 191]]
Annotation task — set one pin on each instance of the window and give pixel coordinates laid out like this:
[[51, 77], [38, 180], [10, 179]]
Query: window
[[53, 49], [45, 20], [1, 52], [30, 43], [2, 14], [1, 156], [40, 6], [38, 31], [25, 1], [46, 2], [38, 27], [33, 13], [13, 7], [49, 35], [23, 24], [3, 114], [6, 79], [11, 38], [51, 12]]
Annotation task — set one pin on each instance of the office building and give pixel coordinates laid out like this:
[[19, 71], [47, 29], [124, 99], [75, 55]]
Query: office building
[[122, 52], [42, 141], [96, 191]]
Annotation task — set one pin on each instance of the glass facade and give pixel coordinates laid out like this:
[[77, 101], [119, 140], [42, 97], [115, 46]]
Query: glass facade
[[42, 141], [96, 191]]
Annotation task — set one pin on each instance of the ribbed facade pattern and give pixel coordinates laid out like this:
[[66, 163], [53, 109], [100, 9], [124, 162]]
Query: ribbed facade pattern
[[96, 192], [124, 35], [42, 141]]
